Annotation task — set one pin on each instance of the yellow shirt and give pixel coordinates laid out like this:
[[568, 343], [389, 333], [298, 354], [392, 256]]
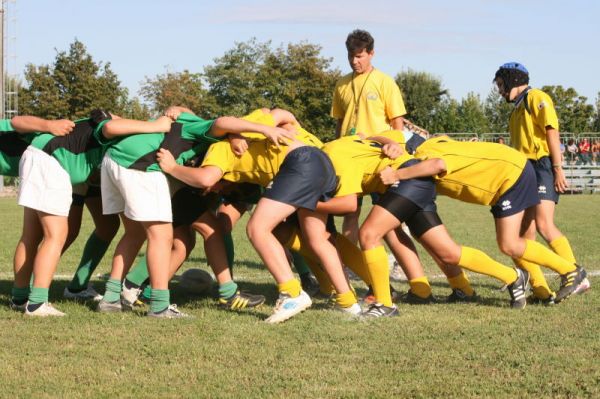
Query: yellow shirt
[[378, 98], [357, 163], [528, 130], [476, 172], [261, 162]]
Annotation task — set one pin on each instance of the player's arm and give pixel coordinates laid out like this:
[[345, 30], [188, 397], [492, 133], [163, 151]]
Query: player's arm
[[338, 205], [122, 127], [429, 167], [203, 177], [397, 123], [174, 111], [553, 140], [390, 147], [32, 124], [230, 124]]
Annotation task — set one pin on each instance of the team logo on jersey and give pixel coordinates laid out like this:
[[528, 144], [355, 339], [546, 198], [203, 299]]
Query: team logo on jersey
[[506, 205], [542, 190], [541, 105], [372, 96]]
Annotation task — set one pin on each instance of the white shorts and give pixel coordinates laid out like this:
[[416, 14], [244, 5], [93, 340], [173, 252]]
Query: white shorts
[[141, 196], [45, 185]]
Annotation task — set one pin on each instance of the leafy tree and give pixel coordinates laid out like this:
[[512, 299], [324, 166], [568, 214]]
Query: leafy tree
[[71, 87], [575, 115], [497, 111], [295, 77], [423, 93], [446, 118], [596, 122], [175, 88], [471, 114]]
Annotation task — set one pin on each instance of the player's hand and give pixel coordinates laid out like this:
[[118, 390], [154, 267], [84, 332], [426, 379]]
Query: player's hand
[[392, 150], [60, 127], [173, 113], [165, 160], [279, 135], [388, 176], [239, 145], [163, 124], [560, 181]]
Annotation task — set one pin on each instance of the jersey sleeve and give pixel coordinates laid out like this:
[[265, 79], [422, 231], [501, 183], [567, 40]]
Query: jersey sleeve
[[197, 128], [394, 104], [6, 126], [221, 156], [102, 139], [543, 111]]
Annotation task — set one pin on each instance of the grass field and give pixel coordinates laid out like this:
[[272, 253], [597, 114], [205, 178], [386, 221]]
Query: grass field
[[443, 350]]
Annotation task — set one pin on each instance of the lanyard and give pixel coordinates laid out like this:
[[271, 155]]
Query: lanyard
[[356, 98]]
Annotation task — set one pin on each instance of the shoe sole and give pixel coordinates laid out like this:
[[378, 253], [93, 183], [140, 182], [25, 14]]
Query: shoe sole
[[274, 320]]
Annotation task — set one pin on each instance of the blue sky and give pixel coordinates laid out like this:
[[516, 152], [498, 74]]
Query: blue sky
[[462, 42]]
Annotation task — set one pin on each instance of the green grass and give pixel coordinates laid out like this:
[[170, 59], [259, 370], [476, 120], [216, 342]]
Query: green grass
[[475, 350]]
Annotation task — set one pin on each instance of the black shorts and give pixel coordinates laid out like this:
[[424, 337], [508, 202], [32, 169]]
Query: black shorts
[[92, 191], [522, 195], [243, 192], [306, 177], [188, 204], [545, 179]]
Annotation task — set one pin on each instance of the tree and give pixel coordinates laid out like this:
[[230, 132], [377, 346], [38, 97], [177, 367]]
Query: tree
[[295, 77], [175, 88], [446, 118], [574, 114], [471, 115], [423, 94], [596, 121], [497, 111], [71, 87]]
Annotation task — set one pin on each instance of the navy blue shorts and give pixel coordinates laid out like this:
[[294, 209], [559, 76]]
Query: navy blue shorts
[[522, 195], [306, 177], [420, 191], [545, 179]]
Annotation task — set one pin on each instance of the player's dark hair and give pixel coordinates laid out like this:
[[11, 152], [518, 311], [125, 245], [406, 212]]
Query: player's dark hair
[[359, 40]]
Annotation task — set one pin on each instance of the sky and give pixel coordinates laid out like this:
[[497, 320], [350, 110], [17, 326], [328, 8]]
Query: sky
[[462, 42]]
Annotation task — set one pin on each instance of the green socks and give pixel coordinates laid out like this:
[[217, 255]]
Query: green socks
[[113, 290], [139, 273], [94, 250], [229, 249], [20, 295], [299, 263], [159, 301], [228, 289], [38, 295]]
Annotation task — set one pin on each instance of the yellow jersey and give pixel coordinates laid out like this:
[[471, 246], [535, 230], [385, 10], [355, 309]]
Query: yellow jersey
[[476, 172], [528, 127], [261, 162], [366, 103], [357, 163]]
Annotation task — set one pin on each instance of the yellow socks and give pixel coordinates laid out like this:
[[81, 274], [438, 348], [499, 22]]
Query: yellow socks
[[377, 263], [291, 287], [538, 282], [352, 257], [562, 247], [461, 282], [476, 261], [539, 254], [420, 287], [346, 299]]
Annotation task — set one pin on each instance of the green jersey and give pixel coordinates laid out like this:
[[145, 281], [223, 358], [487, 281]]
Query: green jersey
[[12, 146], [79, 152], [186, 140]]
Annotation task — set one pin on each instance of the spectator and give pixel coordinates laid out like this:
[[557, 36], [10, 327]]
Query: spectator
[[584, 151], [572, 151], [563, 149], [595, 151]]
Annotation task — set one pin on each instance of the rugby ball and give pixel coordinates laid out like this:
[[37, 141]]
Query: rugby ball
[[196, 281]]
